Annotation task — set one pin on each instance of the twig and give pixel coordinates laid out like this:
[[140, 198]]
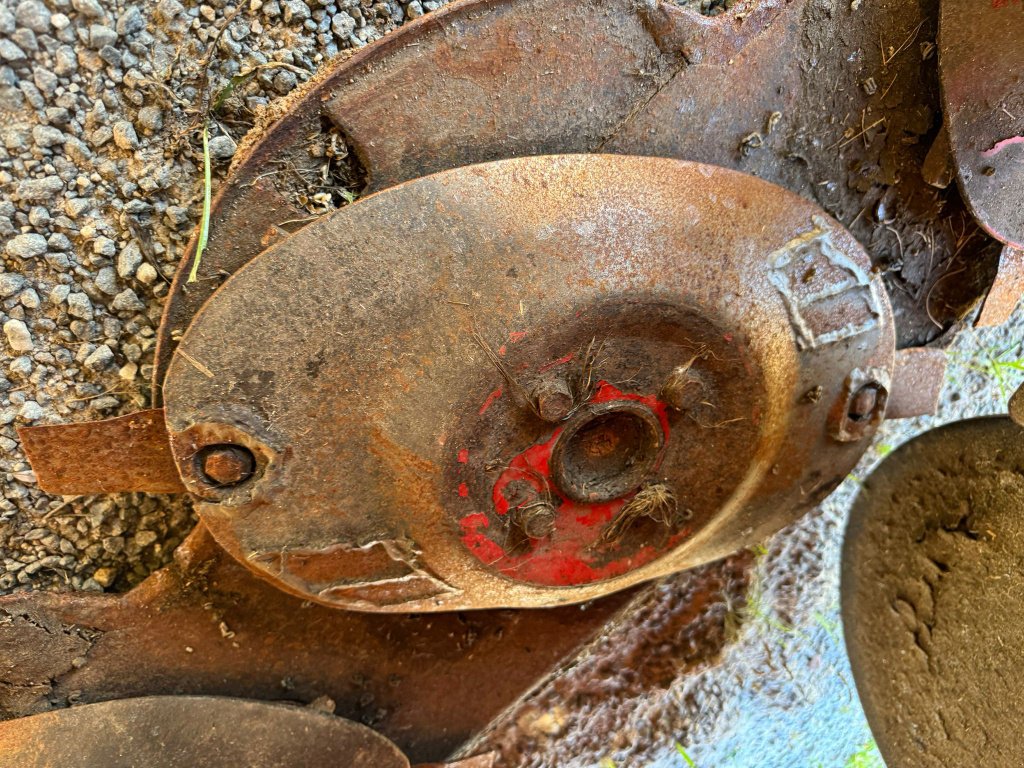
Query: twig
[[195, 363]]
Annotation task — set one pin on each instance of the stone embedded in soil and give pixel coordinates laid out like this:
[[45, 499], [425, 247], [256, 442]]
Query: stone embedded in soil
[[18, 336]]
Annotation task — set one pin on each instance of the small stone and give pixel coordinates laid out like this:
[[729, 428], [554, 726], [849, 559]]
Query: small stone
[[30, 411], [47, 136], [10, 284], [29, 299], [106, 281], [343, 25], [26, 246], [129, 371], [125, 136], [131, 22], [10, 52], [90, 8], [105, 576], [101, 35], [18, 336], [101, 358], [295, 10], [7, 21], [284, 81], [45, 188], [104, 246], [127, 301], [79, 306], [34, 15], [151, 119], [128, 260], [222, 148], [146, 274]]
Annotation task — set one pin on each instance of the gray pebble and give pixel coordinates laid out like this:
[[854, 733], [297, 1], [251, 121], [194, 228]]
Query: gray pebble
[[26, 246], [284, 81], [106, 281], [47, 136], [101, 358], [10, 284], [131, 22], [124, 135], [151, 119], [90, 8], [34, 15], [128, 260], [10, 52], [31, 411], [7, 21], [18, 336], [343, 25], [79, 306], [127, 301], [222, 148], [39, 189], [101, 35]]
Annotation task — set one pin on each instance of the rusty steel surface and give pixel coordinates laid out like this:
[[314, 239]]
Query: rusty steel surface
[[1005, 293], [402, 463], [126, 453], [488, 79], [189, 731], [930, 579], [205, 625], [980, 44], [916, 382]]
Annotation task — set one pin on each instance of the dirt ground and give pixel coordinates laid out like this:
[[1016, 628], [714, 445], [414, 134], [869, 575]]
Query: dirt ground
[[100, 102]]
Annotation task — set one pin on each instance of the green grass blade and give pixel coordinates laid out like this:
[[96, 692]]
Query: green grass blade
[[204, 225], [686, 757]]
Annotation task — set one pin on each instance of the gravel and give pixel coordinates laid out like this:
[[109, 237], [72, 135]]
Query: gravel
[[100, 166]]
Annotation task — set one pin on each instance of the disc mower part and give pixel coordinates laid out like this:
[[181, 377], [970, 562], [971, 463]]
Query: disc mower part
[[188, 731], [205, 625], [402, 461], [980, 46], [931, 581]]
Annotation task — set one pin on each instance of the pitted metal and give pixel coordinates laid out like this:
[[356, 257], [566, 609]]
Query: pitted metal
[[393, 442]]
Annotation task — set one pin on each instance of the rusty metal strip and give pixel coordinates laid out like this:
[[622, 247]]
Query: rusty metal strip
[[1007, 289], [126, 453], [916, 382]]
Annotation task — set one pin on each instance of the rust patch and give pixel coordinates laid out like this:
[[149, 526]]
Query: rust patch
[[126, 453]]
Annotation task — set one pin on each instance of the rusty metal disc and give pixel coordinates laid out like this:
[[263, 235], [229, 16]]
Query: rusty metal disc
[[188, 731], [980, 46], [396, 371], [931, 597]]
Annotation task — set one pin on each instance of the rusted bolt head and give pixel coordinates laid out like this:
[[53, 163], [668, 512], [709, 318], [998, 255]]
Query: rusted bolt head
[[863, 402], [536, 520], [553, 399], [225, 465], [683, 389]]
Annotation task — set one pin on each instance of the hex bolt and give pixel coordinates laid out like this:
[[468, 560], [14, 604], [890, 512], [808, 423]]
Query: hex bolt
[[683, 388], [553, 399], [226, 465], [863, 403], [536, 520]]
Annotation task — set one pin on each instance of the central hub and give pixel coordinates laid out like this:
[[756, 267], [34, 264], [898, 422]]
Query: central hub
[[606, 450]]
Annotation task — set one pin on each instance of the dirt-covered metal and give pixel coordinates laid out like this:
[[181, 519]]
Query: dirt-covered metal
[[187, 731], [205, 625], [929, 597], [396, 446]]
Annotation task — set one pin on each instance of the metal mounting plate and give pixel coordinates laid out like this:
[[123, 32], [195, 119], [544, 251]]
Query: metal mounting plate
[[376, 364]]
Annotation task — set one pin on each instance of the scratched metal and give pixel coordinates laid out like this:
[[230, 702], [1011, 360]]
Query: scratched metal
[[929, 597], [204, 625], [126, 453], [485, 80], [383, 440], [980, 44], [188, 731]]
